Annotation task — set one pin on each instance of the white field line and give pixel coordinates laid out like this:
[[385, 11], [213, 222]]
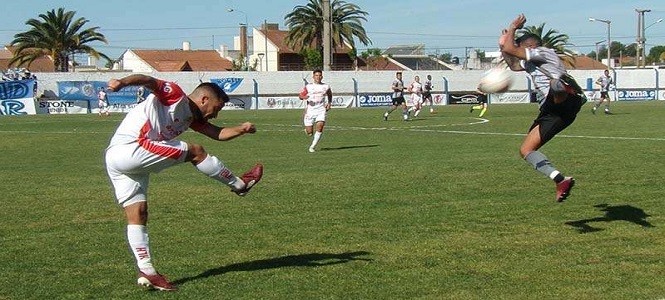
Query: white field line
[[423, 128]]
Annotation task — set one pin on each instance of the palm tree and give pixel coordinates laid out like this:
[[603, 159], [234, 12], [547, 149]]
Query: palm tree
[[57, 35], [305, 25], [552, 39]]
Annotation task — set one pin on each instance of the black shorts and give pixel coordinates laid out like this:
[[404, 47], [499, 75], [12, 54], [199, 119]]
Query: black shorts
[[427, 95], [397, 101], [553, 118], [604, 95]]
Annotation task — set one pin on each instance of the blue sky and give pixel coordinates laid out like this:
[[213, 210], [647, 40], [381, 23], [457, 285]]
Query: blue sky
[[442, 25]]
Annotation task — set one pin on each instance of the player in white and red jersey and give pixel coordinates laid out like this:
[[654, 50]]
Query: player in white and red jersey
[[145, 143], [416, 89], [103, 102], [319, 99]]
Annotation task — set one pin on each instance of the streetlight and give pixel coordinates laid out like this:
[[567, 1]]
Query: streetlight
[[644, 38], [261, 61], [609, 41], [243, 43], [597, 50], [654, 23]]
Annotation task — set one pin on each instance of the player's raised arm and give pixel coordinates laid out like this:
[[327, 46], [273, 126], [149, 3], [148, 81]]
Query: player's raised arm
[[223, 133], [507, 39], [136, 79]]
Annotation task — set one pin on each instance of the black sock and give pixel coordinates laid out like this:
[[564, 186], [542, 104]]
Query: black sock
[[558, 178]]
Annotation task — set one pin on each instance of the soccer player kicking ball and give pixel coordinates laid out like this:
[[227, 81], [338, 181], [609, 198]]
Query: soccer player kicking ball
[[145, 143], [560, 98], [319, 100]]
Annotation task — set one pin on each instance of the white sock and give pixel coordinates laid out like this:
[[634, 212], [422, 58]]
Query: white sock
[[417, 112], [137, 236], [317, 137], [214, 168]]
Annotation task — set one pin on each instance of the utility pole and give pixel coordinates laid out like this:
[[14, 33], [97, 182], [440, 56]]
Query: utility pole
[[641, 59], [326, 35]]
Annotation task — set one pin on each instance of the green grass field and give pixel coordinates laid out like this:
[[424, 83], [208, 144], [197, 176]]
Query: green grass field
[[437, 208]]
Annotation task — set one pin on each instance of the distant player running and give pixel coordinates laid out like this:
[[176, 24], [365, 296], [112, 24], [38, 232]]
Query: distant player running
[[605, 81], [482, 105], [103, 102], [398, 98], [319, 100], [427, 93]]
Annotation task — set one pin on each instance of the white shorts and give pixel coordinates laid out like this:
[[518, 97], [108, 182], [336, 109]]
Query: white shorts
[[103, 107], [416, 99], [130, 165], [313, 116]]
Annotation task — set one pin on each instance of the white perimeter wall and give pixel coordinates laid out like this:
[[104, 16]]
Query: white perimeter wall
[[342, 82]]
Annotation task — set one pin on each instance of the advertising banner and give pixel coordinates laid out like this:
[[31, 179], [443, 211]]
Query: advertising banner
[[509, 98], [296, 103], [238, 103], [228, 84], [62, 107], [280, 103], [623, 95], [375, 99], [467, 98], [17, 97], [87, 90]]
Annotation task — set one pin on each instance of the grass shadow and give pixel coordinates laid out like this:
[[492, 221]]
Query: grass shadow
[[613, 213], [301, 260], [347, 147]]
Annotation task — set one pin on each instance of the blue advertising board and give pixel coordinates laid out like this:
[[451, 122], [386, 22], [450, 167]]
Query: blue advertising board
[[87, 90], [17, 97], [636, 95], [376, 99], [228, 84]]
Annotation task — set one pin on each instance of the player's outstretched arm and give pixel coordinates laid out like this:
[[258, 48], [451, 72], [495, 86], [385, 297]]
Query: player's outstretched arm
[[135, 79], [225, 133]]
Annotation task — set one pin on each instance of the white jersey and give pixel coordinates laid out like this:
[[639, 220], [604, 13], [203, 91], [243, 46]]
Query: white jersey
[[164, 115], [416, 93], [318, 96], [605, 82], [542, 64], [102, 99]]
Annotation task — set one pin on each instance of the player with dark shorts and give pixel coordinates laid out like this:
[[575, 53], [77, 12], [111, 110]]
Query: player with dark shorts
[[482, 105], [397, 101], [427, 93], [397, 97], [560, 98]]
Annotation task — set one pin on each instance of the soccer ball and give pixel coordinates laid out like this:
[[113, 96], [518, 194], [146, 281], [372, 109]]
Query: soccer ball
[[496, 80]]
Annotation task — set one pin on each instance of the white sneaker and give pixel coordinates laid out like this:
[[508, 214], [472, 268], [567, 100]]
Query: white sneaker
[[311, 150]]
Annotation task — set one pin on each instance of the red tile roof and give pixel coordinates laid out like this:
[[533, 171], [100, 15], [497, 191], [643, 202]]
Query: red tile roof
[[377, 63], [42, 64], [184, 60], [583, 63], [278, 37]]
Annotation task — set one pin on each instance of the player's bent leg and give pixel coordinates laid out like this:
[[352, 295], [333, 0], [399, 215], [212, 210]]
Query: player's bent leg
[[213, 167]]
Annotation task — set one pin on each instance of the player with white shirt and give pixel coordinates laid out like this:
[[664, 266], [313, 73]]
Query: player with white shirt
[[416, 89], [145, 143], [103, 102], [319, 100]]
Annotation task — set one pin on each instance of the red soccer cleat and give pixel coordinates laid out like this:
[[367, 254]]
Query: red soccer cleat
[[563, 188], [251, 178], [157, 281]]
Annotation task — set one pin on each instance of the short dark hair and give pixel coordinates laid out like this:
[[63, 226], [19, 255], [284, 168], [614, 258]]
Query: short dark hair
[[317, 71], [398, 73], [214, 89], [527, 36]]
